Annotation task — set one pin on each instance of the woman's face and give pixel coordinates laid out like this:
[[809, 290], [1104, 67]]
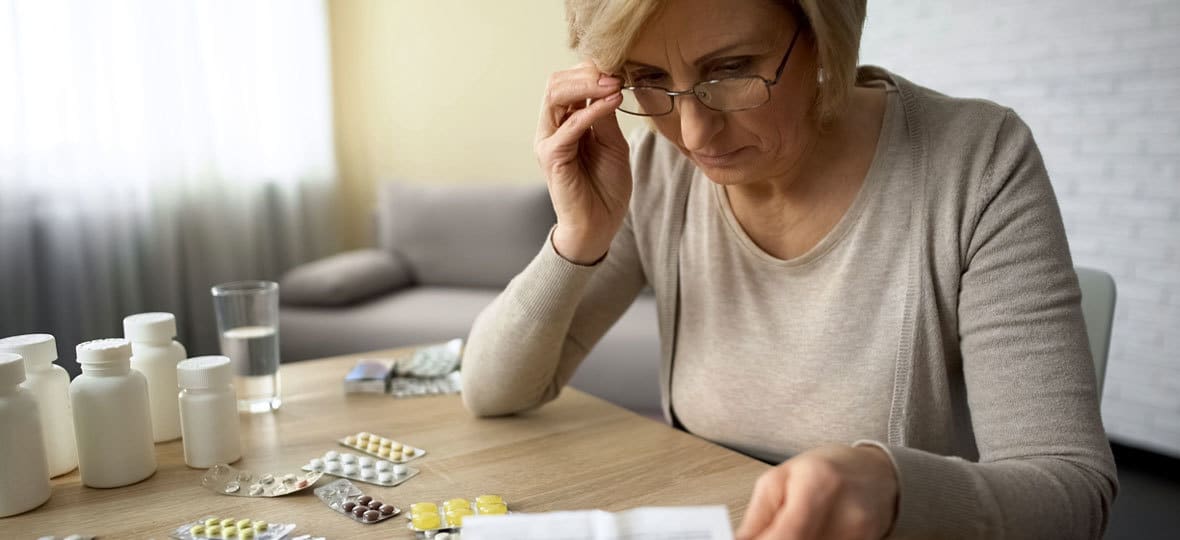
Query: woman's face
[[697, 40]]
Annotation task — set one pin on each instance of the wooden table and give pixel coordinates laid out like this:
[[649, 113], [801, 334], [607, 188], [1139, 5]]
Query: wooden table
[[578, 452]]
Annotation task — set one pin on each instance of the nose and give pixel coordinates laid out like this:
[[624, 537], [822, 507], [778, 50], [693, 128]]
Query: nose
[[698, 123]]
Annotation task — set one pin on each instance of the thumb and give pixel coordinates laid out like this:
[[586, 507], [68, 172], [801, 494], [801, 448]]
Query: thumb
[[607, 132], [764, 503]]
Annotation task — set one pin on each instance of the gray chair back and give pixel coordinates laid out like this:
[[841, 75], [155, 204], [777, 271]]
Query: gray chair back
[[1098, 297]]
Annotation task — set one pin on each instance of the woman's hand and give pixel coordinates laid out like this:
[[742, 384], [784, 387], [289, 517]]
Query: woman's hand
[[829, 492], [585, 159]]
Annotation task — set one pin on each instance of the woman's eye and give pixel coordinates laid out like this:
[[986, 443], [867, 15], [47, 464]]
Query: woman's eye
[[648, 79], [733, 68]]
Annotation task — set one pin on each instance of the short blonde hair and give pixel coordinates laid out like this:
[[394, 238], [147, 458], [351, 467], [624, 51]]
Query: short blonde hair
[[604, 30]]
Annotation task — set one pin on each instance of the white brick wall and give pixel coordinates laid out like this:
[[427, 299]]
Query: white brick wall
[[1099, 83]]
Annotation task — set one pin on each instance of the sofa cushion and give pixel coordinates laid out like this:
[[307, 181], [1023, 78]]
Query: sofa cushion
[[464, 235], [344, 278]]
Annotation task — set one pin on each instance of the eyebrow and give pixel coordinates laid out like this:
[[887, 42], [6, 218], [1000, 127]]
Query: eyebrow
[[699, 61]]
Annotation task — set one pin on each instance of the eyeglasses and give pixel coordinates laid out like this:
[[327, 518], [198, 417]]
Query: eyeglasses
[[724, 95]]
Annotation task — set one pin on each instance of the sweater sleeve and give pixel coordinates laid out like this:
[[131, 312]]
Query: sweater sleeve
[[525, 346], [1045, 468]]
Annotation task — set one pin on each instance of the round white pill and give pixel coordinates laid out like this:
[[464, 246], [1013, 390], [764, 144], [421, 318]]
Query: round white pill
[[365, 462], [399, 470], [348, 458], [383, 465], [349, 468], [331, 455], [368, 473], [385, 477], [333, 466], [317, 464]]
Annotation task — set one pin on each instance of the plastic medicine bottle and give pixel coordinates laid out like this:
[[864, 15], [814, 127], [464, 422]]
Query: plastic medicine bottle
[[22, 455], [50, 385], [208, 412], [155, 355], [111, 420]]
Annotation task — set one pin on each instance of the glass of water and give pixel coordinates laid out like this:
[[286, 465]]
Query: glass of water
[[248, 325]]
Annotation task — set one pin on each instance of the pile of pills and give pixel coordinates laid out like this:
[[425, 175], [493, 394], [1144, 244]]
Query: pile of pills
[[342, 496], [426, 517], [362, 468], [382, 447], [227, 480], [213, 527]]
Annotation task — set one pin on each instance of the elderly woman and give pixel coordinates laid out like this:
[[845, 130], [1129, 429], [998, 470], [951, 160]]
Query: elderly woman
[[858, 279]]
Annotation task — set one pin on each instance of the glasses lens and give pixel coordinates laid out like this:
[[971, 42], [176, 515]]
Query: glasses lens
[[733, 94], [646, 101]]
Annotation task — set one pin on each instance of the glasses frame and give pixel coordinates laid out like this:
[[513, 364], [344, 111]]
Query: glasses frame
[[695, 89]]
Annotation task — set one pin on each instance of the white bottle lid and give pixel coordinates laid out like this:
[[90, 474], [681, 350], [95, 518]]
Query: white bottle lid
[[104, 351], [37, 349], [158, 326], [12, 369], [204, 372]]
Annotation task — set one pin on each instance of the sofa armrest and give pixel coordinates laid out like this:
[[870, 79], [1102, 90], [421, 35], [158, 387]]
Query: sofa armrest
[[344, 278]]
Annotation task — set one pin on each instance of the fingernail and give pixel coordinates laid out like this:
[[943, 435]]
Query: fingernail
[[609, 81], [614, 98]]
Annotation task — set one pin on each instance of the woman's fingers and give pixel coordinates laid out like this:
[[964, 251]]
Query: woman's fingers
[[564, 140], [569, 91], [765, 503]]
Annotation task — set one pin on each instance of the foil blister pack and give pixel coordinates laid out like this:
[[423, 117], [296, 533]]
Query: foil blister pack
[[227, 480], [378, 472], [344, 497]]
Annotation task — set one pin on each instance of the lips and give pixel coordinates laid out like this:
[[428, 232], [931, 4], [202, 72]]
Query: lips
[[716, 159]]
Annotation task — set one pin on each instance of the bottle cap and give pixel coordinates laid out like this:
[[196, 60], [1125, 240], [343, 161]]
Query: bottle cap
[[157, 326], [204, 372], [12, 369], [104, 351], [37, 349]]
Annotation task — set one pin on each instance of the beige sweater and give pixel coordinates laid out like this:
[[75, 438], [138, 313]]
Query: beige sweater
[[992, 419]]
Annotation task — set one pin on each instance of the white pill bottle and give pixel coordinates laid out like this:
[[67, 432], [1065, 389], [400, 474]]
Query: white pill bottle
[[111, 419], [208, 411], [24, 472], [155, 354], [50, 385]]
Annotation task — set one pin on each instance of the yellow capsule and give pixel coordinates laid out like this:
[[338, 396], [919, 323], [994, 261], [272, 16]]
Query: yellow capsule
[[245, 534], [493, 508], [211, 522], [426, 520], [485, 499], [455, 520], [197, 530], [457, 503], [423, 508], [242, 524], [261, 526], [227, 522], [229, 531], [215, 530]]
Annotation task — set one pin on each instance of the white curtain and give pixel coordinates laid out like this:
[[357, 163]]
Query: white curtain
[[150, 149]]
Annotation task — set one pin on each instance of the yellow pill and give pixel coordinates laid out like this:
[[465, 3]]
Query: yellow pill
[[426, 520], [227, 522], [245, 534], [423, 508], [386, 442], [229, 531], [242, 524], [493, 508], [457, 503], [383, 452], [362, 435], [350, 440], [396, 447], [211, 522], [456, 520], [215, 530], [485, 499], [260, 526], [373, 447], [197, 530]]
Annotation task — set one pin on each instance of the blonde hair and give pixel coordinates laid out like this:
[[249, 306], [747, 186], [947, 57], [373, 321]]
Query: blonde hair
[[604, 30]]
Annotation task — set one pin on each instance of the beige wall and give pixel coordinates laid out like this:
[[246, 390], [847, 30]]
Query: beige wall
[[438, 91]]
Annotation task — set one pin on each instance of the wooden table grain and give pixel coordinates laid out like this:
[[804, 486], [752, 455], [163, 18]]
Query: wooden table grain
[[578, 452]]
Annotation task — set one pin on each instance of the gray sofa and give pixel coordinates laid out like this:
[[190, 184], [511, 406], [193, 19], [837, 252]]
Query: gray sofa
[[443, 253]]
